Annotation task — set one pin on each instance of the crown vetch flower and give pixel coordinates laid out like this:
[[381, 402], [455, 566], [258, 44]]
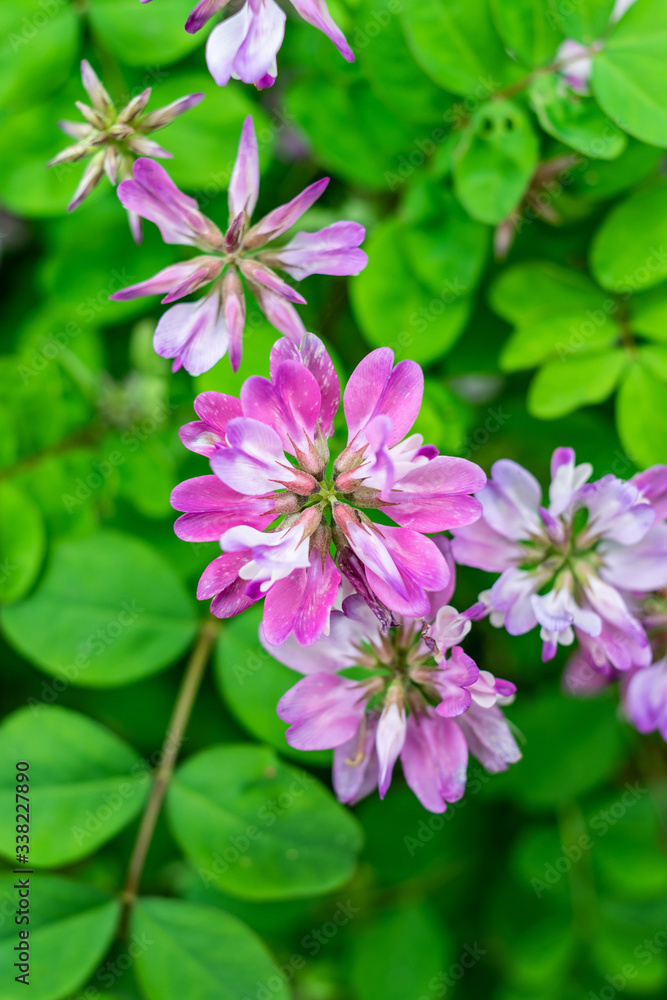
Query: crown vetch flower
[[197, 334], [115, 138], [568, 567], [245, 44], [269, 457], [375, 696]]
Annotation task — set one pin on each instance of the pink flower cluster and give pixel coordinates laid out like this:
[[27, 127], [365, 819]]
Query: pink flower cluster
[[342, 588]]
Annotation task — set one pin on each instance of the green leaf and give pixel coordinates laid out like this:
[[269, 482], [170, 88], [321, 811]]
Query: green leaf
[[528, 28], [39, 43], [202, 953], [563, 334], [205, 139], [455, 42], [390, 68], [108, 611], [641, 416], [630, 74], [563, 386], [352, 133], [530, 292], [649, 314], [570, 747], [71, 927], [252, 683], [495, 161], [575, 120], [605, 179], [22, 542], [145, 36], [401, 953], [258, 829], [586, 20], [85, 783], [29, 139], [446, 248], [394, 308], [628, 250]]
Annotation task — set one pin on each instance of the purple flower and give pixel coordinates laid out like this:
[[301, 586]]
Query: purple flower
[[197, 334], [407, 700], [644, 697], [269, 457], [115, 138], [245, 44], [569, 567]]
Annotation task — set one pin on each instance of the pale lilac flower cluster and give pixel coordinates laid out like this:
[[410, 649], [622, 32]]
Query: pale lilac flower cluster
[[197, 334], [585, 567], [244, 46], [415, 695], [115, 138]]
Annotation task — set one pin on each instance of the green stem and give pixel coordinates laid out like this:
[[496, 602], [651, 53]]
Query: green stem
[[172, 743]]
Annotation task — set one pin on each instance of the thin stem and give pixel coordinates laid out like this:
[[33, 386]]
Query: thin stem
[[88, 436], [554, 67], [170, 748]]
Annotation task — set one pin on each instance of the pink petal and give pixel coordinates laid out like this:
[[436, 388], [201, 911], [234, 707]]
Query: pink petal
[[375, 389], [223, 43], [280, 313], [313, 354], [290, 404], [389, 743], [324, 711], [333, 250], [435, 761], [256, 56], [152, 194], [244, 183], [202, 13], [164, 281], [355, 767], [283, 218], [316, 12], [253, 461], [194, 333]]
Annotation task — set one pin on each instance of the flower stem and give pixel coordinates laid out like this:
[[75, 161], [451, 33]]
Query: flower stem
[[170, 748]]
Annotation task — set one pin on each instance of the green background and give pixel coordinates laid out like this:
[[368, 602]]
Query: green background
[[517, 237]]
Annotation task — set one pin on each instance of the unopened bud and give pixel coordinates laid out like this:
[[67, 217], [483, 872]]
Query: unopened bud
[[164, 116]]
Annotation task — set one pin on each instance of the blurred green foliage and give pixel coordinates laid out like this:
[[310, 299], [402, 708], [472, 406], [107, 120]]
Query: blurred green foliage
[[513, 226]]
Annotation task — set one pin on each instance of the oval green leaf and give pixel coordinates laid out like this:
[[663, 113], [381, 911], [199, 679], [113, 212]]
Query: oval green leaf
[[108, 611], [495, 161], [258, 829], [628, 251], [85, 783], [22, 542], [202, 953], [71, 927]]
